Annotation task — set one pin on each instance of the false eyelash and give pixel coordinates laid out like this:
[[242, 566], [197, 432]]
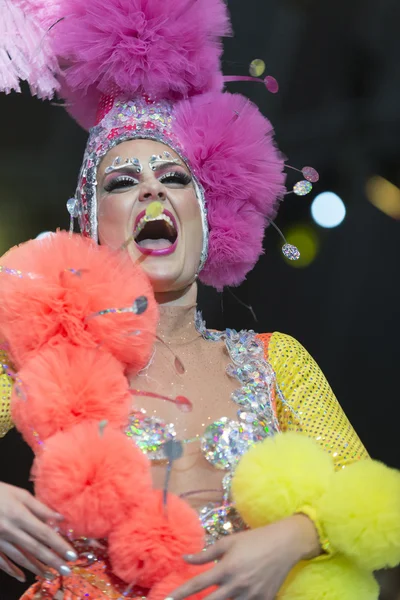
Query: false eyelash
[[177, 177], [120, 182]]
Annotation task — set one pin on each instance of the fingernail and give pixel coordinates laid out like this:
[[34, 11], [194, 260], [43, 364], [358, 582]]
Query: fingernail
[[64, 570], [71, 555], [187, 556], [49, 576], [59, 517], [20, 578]]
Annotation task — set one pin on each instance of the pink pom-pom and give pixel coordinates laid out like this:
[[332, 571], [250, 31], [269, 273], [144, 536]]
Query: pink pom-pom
[[25, 51], [82, 107], [94, 477], [169, 584], [165, 48], [229, 145], [150, 545], [64, 282], [66, 385], [235, 244]]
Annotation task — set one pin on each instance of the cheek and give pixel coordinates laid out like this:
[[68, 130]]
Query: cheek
[[114, 213], [190, 216]]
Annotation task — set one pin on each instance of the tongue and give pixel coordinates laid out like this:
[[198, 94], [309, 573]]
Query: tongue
[[158, 244]]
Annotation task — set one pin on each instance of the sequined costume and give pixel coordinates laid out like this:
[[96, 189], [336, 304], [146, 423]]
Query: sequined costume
[[145, 69], [301, 399], [310, 405]]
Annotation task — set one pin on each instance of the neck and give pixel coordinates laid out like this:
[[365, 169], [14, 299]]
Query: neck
[[177, 316], [185, 297]]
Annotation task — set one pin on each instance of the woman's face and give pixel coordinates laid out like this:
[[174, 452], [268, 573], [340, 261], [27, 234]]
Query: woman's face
[[169, 248]]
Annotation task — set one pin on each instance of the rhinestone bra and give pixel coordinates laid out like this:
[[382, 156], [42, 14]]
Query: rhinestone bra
[[224, 441]]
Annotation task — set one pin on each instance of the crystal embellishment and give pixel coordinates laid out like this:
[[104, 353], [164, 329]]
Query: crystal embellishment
[[140, 305], [302, 188], [310, 174], [291, 252], [219, 521], [150, 434], [224, 442], [73, 207]]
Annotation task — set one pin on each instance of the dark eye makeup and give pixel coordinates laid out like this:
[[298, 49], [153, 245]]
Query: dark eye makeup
[[175, 178]]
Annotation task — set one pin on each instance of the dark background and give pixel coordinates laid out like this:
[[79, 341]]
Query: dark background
[[338, 110]]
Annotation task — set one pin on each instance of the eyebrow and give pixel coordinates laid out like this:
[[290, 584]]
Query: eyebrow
[[122, 169], [131, 168], [167, 163]]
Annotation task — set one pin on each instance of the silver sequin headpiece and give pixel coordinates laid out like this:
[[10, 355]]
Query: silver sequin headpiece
[[121, 120]]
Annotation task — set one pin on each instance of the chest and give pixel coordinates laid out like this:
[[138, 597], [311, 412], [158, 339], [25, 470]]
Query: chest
[[189, 396], [227, 389]]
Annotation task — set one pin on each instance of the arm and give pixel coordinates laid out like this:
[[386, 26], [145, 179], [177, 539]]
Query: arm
[[356, 509], [307, 404]]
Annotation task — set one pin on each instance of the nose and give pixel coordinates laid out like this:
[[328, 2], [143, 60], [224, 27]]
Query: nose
[[152, 190]]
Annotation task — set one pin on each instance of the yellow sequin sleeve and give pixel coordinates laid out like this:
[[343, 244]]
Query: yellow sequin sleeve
[[5, 399], [306, 403]]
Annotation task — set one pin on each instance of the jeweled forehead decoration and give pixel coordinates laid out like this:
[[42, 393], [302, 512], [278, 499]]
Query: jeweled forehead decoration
[[159, 160], [119, 163]]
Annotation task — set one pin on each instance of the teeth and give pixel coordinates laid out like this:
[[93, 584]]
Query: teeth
[[145, 220]]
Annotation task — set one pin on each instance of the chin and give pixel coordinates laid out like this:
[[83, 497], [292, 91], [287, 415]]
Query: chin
[[163, 280]]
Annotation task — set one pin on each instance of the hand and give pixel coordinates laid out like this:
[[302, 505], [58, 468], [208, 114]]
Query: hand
[[25, 537], [253, 565]]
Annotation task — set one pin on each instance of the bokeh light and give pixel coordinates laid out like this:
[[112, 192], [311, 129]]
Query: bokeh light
[[328, 210], [384, 195]]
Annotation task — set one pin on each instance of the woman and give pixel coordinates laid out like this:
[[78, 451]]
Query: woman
[[183, 177]]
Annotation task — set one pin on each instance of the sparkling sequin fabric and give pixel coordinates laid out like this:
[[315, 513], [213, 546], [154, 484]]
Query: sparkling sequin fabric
[[225, 441], [278, 388], [5, 390], [309, 405], [90, 580]]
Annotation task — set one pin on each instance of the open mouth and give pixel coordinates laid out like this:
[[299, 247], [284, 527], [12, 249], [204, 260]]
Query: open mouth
[[156, 236]]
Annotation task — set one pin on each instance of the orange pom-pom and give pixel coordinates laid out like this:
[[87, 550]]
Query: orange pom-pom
[[65, 385], [93, 478], [151, 544], [63, 282], [169, 584]]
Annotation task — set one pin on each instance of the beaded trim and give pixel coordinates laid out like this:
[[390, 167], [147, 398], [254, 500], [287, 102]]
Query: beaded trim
[[257, 412]]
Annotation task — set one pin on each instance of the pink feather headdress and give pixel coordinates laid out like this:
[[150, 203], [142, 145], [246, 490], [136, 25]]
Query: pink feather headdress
[[151, 69]]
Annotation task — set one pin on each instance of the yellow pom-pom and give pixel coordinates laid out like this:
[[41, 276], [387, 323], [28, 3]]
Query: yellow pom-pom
[[361, 514], [279, 476], [333, 579], [154, 210]]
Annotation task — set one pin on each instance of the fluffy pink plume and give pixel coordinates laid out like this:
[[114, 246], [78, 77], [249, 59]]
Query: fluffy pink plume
[[82, 108], [73, 278], [235, 244], [150, 545], [160, 47], [45, 12], [65, 385], [230, 147], [95, 480], [25, 50], [169, 584]]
